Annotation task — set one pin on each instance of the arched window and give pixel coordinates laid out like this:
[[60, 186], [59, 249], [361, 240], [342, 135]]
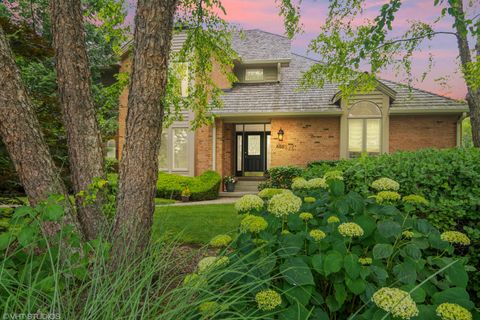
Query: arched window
[[364, 129]]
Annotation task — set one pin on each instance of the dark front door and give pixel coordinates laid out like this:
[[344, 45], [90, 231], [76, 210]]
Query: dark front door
[[254, 152]]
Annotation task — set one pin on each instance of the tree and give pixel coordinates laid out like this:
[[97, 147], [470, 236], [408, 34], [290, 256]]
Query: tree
[[21, 133], [345, 48], [207, 42], [150, 97], [83, 136]]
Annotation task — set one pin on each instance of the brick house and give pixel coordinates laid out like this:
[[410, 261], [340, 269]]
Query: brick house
[[267, 121]]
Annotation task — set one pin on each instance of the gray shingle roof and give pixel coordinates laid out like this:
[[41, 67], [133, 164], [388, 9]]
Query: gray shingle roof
[[287, 97], [261, 45]]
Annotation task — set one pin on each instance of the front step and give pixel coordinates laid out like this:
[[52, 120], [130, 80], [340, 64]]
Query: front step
[[244, 185]]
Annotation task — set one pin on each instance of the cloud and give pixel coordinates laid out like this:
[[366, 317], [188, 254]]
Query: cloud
[[263, 14]]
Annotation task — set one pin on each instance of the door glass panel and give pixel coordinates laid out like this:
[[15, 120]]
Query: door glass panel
[[239, 153], [254, 145], [268, 152], [180, 151], [373, 135], [355, 135]]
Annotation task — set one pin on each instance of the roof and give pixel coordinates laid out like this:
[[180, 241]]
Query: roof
[[286, 96], [258, 45]]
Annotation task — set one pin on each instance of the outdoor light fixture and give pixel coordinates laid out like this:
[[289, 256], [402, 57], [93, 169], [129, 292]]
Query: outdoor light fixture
[[280, 134]]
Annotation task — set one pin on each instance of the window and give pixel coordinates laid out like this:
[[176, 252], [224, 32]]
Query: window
[[111, 149], [163, 153], [180, 151], [364, 129], [253, 74], [174, 152], [180, 70]]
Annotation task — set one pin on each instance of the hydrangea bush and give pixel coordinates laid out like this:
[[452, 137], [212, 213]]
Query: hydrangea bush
[[340, 254]]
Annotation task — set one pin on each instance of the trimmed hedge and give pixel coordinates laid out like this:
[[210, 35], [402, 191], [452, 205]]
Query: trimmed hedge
[[169, 186], [203, 187]]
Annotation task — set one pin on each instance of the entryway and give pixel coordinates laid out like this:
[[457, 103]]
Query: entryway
[[244, 185], [252, 149]]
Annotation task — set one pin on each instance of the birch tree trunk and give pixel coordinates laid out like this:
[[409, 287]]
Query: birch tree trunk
[[473, 96], [74, 88], [139, 164], [22, 136]]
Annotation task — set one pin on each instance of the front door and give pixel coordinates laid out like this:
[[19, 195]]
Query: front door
[[254, 153]]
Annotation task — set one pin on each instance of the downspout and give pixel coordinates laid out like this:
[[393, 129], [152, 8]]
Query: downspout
[[459, 129], [214, 146]]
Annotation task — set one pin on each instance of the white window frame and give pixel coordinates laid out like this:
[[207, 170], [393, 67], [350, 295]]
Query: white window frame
[[364, 119]]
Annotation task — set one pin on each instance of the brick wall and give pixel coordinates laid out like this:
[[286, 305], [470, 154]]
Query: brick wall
[[422, 131], [203, 149], [305, 140]]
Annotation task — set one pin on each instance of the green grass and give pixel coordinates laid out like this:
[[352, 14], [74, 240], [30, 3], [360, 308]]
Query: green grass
[[195, 224]]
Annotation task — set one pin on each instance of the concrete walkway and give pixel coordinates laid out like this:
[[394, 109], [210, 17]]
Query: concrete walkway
[[222, 200]]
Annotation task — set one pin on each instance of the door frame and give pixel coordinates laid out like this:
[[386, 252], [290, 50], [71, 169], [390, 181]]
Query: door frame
[[264, 153]]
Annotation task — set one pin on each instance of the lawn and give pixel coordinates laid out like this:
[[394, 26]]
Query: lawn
[[195, 224]]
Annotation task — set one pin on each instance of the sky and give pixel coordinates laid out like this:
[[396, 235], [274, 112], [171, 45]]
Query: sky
[[444, 78]]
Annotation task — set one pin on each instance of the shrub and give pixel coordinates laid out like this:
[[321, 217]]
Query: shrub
[[203, 187], [281, 177], [42, 279], [449, 179], [360, 262]]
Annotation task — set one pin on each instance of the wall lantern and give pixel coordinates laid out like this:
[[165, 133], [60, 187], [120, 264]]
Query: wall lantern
[[280, 134]]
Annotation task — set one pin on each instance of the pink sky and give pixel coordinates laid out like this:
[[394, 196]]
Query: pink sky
[[263, 14]]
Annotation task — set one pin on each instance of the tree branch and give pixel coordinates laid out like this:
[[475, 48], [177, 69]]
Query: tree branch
[[416, 38]]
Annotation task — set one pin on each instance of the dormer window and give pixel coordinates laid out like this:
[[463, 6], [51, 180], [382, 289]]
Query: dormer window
[[253, 74]]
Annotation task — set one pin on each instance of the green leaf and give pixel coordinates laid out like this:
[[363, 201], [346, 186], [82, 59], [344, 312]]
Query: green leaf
[[290, 245], [295, 311], [332, 303], [26, 235], [367, 223], [333, 262], [337, 187], [356, 286], [5, 240], [317, 263], [382, 251], [300, 294], [389, 228], [457, 275], [380, 273], [413, 251], [351, 265], [297, 272], [418, 295], [319, 314], [52, 212], [405, 273], [23, 211], [340, 293], [455, 295]]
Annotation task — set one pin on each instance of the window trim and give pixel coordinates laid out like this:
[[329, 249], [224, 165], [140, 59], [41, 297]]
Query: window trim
[[365, 119]]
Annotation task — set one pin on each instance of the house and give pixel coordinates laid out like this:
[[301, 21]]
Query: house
[[267, 121]]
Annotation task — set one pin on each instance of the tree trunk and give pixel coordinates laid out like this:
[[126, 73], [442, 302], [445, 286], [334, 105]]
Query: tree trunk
[[139, 164], [21, 134], [74, 88], [473, 96]]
